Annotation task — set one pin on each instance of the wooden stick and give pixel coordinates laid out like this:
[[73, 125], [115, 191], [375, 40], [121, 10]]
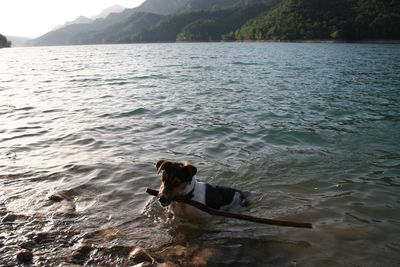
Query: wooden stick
[[212, 211]]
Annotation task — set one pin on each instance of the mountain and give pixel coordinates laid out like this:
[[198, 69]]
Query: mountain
[[326, 20], [90, 33], [204, 25], [72, 34], [161, 7], [18, 41], [121, 32], [4, 42], [78, 20], [85, 20], [237, 20], [105, 12], [214, 4]]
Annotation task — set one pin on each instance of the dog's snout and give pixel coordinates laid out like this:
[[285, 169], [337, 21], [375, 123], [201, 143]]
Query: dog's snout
[[164, 200]]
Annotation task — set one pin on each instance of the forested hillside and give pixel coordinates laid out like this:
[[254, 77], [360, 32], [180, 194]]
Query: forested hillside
[[80, 33], [203, 25], [334, 19], [230, 20], [238, 20], [121, 32], [4, 42]]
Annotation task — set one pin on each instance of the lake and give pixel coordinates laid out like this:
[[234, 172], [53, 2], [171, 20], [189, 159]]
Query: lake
[[312, 130]]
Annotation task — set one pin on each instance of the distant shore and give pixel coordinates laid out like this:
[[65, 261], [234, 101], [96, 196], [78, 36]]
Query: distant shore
[[322, 41], [261, 41]]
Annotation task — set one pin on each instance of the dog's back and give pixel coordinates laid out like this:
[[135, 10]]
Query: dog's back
[[224, 198]]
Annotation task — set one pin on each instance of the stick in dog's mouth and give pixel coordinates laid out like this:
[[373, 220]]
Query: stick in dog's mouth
[[232, 215]]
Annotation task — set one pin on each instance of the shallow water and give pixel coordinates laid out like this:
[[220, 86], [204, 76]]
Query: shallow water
[[313, 128]]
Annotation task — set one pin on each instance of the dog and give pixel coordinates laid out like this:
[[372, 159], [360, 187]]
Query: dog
[[179, 179]]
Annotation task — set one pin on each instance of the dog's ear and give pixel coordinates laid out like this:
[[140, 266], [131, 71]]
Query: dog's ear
[[162, 164], [191, 169]]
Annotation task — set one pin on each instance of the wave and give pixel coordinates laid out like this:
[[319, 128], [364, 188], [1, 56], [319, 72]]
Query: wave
[[242, 63], [135, 112]]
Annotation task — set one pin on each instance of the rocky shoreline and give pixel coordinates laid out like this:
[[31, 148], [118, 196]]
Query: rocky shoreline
[[36, 240], [20, 244]]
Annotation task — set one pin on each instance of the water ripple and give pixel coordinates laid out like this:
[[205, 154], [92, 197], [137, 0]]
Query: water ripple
[[313, 128]]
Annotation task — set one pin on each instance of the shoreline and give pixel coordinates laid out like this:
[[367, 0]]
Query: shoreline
[[319, 41], [395, 42]]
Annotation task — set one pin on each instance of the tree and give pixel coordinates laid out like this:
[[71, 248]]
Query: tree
[[316, 19], [336, 35], [4, 42], [200, 31]]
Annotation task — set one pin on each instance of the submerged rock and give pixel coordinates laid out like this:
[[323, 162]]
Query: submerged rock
[[24, 256], [174, 251], [56, 198], [202, 257], [81, 253], [138, 255], [28, 245], [44, 237], [9, 217]]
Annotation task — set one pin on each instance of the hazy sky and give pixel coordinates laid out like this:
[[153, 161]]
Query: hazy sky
[[32, 18]]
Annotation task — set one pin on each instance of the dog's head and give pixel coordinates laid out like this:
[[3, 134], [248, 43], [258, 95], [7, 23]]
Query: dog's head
[[176, 176]]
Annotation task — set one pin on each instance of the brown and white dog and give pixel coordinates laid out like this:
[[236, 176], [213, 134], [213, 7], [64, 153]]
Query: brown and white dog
[[179, 179]]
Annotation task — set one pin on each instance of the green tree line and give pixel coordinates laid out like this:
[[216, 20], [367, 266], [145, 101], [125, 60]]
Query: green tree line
[[4, 42], [334, 19], [238, 20], [203, 25]]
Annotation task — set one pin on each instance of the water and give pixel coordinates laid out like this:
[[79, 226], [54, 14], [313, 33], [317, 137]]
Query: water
[[314, 128]]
